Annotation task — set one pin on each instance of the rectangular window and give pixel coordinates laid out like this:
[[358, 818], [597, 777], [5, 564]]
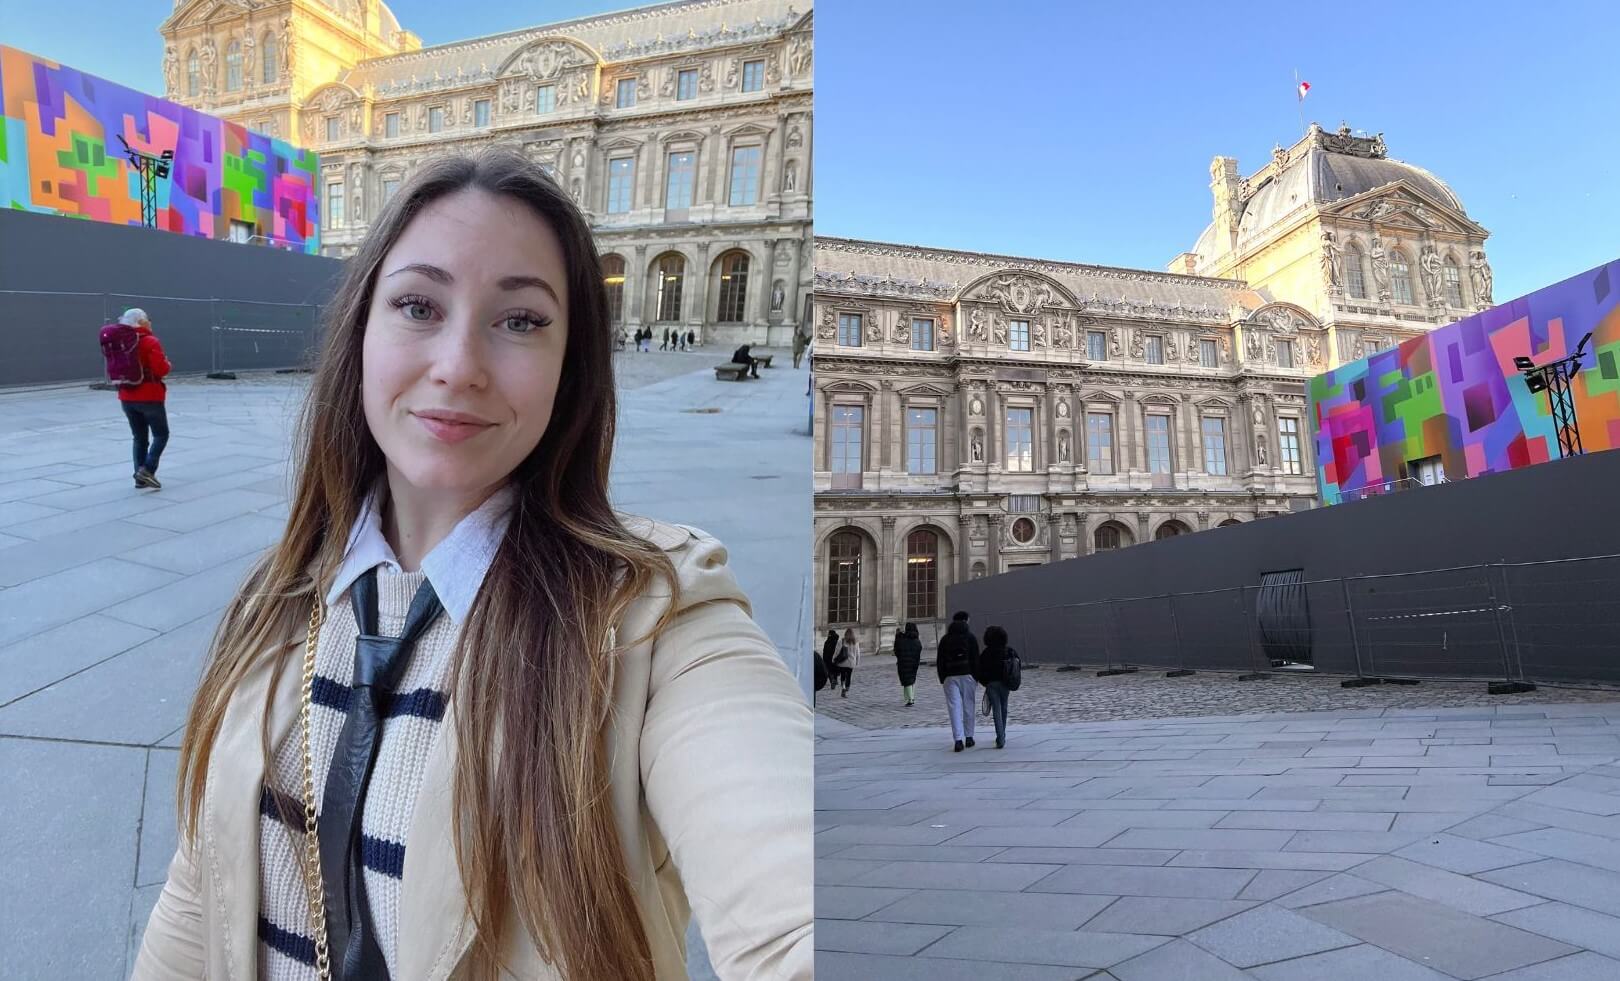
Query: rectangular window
[[922, 334], [1155, 350], [1215, 445], [745, 175], [334, 204], [391, 125], [621, 181], [242, 231], [1024, 503], [922, 440], [545, 99], [848, 429], [686, 84], [1019, 433], [332, 129], [1288, 435], [1096, 345], [481, 112], [390, 186], [1354, 280], [849, 330], [753, 77], [1158, 444], [1100, 442], [1209, 353], [1285, 353], [678, 188], [1373, 347], [436, 119], [625, 93], [1018, 335], [1453, 286]]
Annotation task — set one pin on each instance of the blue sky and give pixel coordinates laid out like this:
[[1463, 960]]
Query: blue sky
[[1084, 131]]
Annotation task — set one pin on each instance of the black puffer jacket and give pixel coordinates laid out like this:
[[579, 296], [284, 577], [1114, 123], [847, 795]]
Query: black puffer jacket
[[958, 651], [907, 655]]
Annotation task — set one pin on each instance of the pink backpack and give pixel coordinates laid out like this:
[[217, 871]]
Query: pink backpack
[[119, 346]]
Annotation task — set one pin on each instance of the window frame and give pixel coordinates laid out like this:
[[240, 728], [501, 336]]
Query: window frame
[[1451, 280], [1149, 418], [1217, 462], [848, 320], [335, 214], [670, 295], [844, 577], [269, 57], [753, 71], [922, 327], [922, 592], [624, 181], [732, 291], [481, 112], [1101, 351], [1355, 279], [1211, 347], [1153, 349], [1018, 335], [1288, 445], [750, 177], [391, 125], [548, 103], [1400, 279], [1017, 455], [193, 75], [621, 86], [334, 128], [924, 455], [688, 184], [683, 91], [435, 122], [613, 282], [1100, 443], [839, 430], [385, 192], [1284, 346]]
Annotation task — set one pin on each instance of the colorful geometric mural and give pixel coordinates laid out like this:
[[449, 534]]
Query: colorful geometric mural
[[59, 153], [1454, 393]]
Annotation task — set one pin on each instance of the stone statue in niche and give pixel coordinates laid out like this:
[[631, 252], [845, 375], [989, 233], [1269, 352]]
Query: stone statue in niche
[[1429, 263], [977, 446], [790, 176], [1063, 446], [171, 69], [1313, 350], [1332, 259], [1380, 269], [778, 295], [577, 189], [1479, 273], [1260, 451], [1138, 345]]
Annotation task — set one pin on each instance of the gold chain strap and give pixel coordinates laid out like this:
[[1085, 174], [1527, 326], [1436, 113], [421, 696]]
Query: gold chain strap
[[312, 846]]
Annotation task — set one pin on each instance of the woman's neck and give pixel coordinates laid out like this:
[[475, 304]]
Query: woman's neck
[[414, 522]]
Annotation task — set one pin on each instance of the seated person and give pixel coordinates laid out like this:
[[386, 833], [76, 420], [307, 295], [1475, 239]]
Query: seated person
[[741, 356]]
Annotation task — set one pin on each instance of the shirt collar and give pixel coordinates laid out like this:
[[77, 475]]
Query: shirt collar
[[457, 565]]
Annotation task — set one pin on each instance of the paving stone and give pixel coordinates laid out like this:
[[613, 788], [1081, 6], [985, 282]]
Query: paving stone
[[50, 601], [1453, 942], [979, 908], [980, 876], [1557, 817], [1363, 961], [837, 966], [1492, 826], [1144, 819], [1012, 945], [858, 937], [1309, 821], [843, 872], [1178, 961], [930, 853], [1086, 856], [1266, 934], [866, 834], [158, 831], [854, 902], [1458, 891], [1464, 855], [1065, 837], [1272, 883], [45, 658], [1579, 885], [1200, 838], [1298, 861], [1571, 924], [1570, 799], [1164, 916], [1121, 880], [1585, 966]]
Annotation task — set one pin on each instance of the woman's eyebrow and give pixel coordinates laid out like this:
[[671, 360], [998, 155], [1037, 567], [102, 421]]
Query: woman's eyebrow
[[509, 283]]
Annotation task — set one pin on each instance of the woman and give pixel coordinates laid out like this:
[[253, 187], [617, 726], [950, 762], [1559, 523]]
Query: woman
[[370, 787], [849, 655], [990, 671], [907, 655], [829, 650]]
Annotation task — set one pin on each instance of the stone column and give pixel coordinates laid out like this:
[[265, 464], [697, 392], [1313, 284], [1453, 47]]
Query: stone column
[[1082, 535], [699, 315], [1130, 415], [883, 411], [1192, 438], [993, 565], [964, 550], [635, 288], [887, 584], [762, 296], [790, 284]]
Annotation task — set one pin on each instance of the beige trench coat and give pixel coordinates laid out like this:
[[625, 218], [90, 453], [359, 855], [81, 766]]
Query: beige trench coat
[[711, 747]]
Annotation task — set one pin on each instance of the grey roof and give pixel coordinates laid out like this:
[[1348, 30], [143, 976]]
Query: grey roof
[[923, 273], [1322, 177], [644, 31]]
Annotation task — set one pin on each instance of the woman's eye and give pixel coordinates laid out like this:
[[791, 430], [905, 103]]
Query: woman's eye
[[418, 311], [522, 325]]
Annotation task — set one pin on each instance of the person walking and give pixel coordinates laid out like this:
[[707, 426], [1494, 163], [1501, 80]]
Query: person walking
[[849, 655], [691, 338], [907, 656], [664, 344], [955, 660], [135, 356], [829, 650], [992, 674], [799, 343]]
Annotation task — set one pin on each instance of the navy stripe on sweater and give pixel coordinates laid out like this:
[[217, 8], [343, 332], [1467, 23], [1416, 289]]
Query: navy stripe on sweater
[[424, 703], [294, 945], [377, 854]]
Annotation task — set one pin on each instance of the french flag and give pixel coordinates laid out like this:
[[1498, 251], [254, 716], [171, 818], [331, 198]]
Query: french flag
[[1304, 89]]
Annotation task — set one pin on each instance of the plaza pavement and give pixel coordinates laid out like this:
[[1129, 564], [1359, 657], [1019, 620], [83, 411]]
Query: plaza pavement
[[1382, 840], [108, 597]]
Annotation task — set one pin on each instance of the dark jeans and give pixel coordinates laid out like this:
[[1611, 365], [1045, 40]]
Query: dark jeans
[[147, 417], [753, 366], [998, 708], [844, 675]]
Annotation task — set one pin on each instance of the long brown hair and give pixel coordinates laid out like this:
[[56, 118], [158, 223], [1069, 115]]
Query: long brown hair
[[532, 675]]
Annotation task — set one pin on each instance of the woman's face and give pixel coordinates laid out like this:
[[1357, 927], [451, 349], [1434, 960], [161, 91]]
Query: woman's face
[[464, 343]]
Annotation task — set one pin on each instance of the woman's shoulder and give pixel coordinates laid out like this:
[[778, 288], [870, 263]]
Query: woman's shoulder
[[695, 554]]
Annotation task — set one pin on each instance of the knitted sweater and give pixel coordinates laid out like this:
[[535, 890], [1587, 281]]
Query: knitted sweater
[[410, 722]]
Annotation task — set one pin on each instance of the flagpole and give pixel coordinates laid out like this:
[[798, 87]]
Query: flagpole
[[1299, 103]]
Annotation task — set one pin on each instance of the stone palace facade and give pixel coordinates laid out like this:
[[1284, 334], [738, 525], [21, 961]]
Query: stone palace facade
[[978, 413], [682, 129]]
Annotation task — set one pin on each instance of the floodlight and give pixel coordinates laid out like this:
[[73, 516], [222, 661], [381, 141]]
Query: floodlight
[[1536, 383]]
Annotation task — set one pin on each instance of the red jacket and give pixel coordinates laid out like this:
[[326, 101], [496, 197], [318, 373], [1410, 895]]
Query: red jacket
[[155, 365]]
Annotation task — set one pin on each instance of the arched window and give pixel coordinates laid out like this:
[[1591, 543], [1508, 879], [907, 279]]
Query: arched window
[[671, 271], [844, 578], [1355, 280], [1453, 280], [233, 66], [268, 58], [1170, 529], [1229, 522], [613, 279], [193, 75], [1400, 278], [1110, 536], [733, 287], [922, 575]]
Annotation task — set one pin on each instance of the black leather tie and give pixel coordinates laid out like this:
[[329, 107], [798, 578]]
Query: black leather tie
[[378, 664]]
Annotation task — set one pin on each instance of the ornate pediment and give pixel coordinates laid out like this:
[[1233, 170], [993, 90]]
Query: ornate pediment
[[200, 13], [546, 59], [1214, 402], [1100, 397], [1283, 318], [1400, 205], [1020, 294], [331, 98], [849, 387], [926, 390]]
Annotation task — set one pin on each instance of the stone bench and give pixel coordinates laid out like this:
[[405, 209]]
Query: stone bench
[[730, 372], [763, 359]]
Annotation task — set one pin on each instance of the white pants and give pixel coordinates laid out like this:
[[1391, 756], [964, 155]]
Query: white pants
[[961, 692]]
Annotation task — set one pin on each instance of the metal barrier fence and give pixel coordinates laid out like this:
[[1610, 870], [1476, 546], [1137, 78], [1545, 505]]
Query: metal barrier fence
[[1556, 621], [55, 333]]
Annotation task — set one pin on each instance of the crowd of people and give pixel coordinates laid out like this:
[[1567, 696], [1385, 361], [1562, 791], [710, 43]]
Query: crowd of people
[[962, 664]]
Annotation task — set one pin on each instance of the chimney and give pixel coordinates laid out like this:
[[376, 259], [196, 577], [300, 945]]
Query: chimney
[[1226, 184]]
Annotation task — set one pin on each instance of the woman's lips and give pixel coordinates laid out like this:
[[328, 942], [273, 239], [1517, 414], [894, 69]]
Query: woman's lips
[[450, 430]]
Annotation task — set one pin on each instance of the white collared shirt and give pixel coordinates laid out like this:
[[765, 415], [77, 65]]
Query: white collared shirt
[[457, 565]]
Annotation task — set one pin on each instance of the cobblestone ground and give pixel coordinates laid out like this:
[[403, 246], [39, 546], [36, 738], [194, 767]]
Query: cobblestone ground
[[1049, 695]]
